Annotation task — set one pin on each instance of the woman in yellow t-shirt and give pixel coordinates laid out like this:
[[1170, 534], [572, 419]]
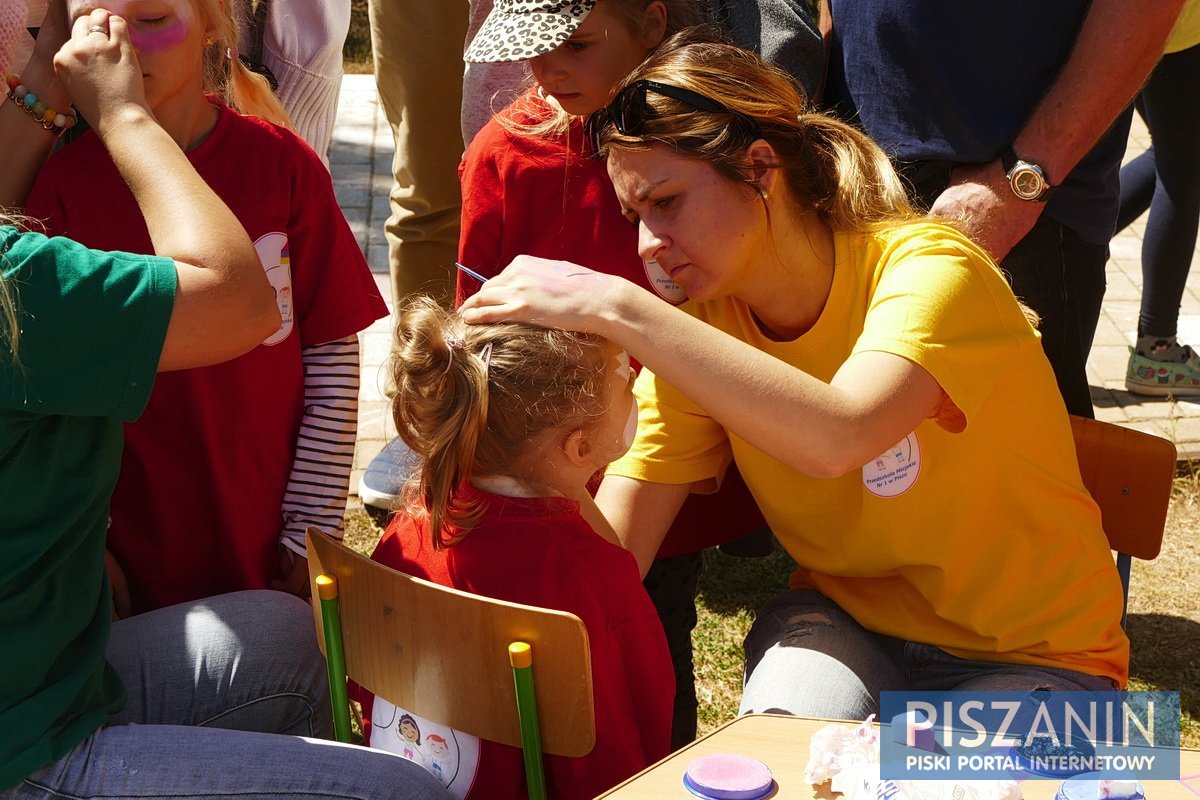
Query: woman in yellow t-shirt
[[871, 374]]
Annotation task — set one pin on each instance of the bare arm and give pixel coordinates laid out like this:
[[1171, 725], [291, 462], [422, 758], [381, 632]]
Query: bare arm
[[821, 429], [223, 304], [1118, 46], [641, 513]]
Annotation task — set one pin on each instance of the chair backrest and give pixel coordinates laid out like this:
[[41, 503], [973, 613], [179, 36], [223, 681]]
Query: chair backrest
[[443, 654], [1129, 475]]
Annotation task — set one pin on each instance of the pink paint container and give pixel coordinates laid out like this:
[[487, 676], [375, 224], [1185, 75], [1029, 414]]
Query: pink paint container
[[724, 776]]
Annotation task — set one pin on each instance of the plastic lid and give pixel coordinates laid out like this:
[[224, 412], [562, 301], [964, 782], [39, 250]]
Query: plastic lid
[[1089, 786], [725, 776]]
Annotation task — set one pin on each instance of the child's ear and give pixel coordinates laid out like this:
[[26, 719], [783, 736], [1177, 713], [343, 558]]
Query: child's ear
[[577, 448], [654, 24]]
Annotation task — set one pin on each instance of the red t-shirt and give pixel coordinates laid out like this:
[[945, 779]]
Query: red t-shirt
[[547, 197], [541, 552], [197, 508]]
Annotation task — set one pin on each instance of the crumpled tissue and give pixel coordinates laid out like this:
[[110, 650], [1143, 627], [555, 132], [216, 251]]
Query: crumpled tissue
[[849, 759]]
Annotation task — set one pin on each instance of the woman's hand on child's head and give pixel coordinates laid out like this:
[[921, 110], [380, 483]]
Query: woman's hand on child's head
[[100, 69], [553, 294]]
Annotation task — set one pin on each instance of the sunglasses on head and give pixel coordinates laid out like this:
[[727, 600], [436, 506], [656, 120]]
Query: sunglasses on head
[[629, 111]]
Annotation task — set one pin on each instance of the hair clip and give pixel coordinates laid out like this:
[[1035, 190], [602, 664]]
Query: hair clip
[[485, 355], [456, 343]]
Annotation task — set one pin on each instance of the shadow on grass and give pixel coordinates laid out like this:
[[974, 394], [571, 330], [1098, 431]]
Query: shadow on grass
[[1163, 656], [731, 584]]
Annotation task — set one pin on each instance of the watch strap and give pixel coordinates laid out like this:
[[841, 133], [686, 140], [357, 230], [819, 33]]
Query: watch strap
[[1009, 159]]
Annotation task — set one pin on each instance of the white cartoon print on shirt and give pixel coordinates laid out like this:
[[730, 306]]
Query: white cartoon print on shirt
[[449, 755], [895, 470], [273, 252]]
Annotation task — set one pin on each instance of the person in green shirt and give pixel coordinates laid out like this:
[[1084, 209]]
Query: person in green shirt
[[82, 335]]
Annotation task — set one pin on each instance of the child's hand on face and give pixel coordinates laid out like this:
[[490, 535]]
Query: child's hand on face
[[100, 69]]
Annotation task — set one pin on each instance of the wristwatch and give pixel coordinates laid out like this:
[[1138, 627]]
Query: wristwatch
[[1026, 179]]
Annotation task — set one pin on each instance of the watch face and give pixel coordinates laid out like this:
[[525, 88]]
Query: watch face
[[1027, 182]]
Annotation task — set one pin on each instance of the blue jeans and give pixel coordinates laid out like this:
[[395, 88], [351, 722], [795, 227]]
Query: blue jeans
[[806, 656], [211, 685]]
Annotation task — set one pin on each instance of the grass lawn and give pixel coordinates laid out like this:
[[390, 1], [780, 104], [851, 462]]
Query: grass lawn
[[1164, 612]]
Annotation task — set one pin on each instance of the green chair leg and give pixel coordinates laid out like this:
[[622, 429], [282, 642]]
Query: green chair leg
[[335, 656], [521, 658]]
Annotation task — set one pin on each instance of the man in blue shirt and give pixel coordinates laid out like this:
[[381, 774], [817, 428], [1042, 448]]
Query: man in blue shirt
[[1012, 118]]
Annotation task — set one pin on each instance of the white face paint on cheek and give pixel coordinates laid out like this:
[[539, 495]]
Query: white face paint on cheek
[[631, 426], [624, 368]]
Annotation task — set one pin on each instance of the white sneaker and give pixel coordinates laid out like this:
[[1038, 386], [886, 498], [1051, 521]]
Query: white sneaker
[[385, 476]]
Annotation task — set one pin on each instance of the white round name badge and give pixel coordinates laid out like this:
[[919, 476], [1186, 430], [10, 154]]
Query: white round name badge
[[895, 470], [667, 289]]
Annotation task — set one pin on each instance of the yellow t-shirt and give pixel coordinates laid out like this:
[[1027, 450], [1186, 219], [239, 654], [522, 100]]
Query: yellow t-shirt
[[1186, 32], [982, 542]]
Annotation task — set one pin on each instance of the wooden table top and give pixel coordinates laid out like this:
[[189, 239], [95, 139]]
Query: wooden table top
[[782, 744]]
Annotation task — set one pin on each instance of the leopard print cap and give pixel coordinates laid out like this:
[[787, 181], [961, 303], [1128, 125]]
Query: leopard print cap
[[517, 30]]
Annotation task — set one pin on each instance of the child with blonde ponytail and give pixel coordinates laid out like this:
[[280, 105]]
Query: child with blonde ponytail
[[228, 465], [530, 186], [509, 423]]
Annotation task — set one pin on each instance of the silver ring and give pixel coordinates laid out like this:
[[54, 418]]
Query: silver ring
[[98, 29]]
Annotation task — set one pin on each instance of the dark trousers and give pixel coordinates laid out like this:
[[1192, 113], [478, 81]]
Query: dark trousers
[[1054, 272], [1061, 277], [1166, 179], [672, 584]]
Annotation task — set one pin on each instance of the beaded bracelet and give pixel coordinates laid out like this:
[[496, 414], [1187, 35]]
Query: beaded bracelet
[[47, 117]]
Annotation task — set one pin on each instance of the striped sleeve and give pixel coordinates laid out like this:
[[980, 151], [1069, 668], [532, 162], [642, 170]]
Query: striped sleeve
[[320, 478]]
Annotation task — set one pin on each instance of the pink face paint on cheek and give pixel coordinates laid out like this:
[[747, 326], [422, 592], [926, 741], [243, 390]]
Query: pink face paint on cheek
[[152, 40]]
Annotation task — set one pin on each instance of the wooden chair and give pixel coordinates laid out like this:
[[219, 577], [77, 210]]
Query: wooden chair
[[445, 655], [1129, 475]]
